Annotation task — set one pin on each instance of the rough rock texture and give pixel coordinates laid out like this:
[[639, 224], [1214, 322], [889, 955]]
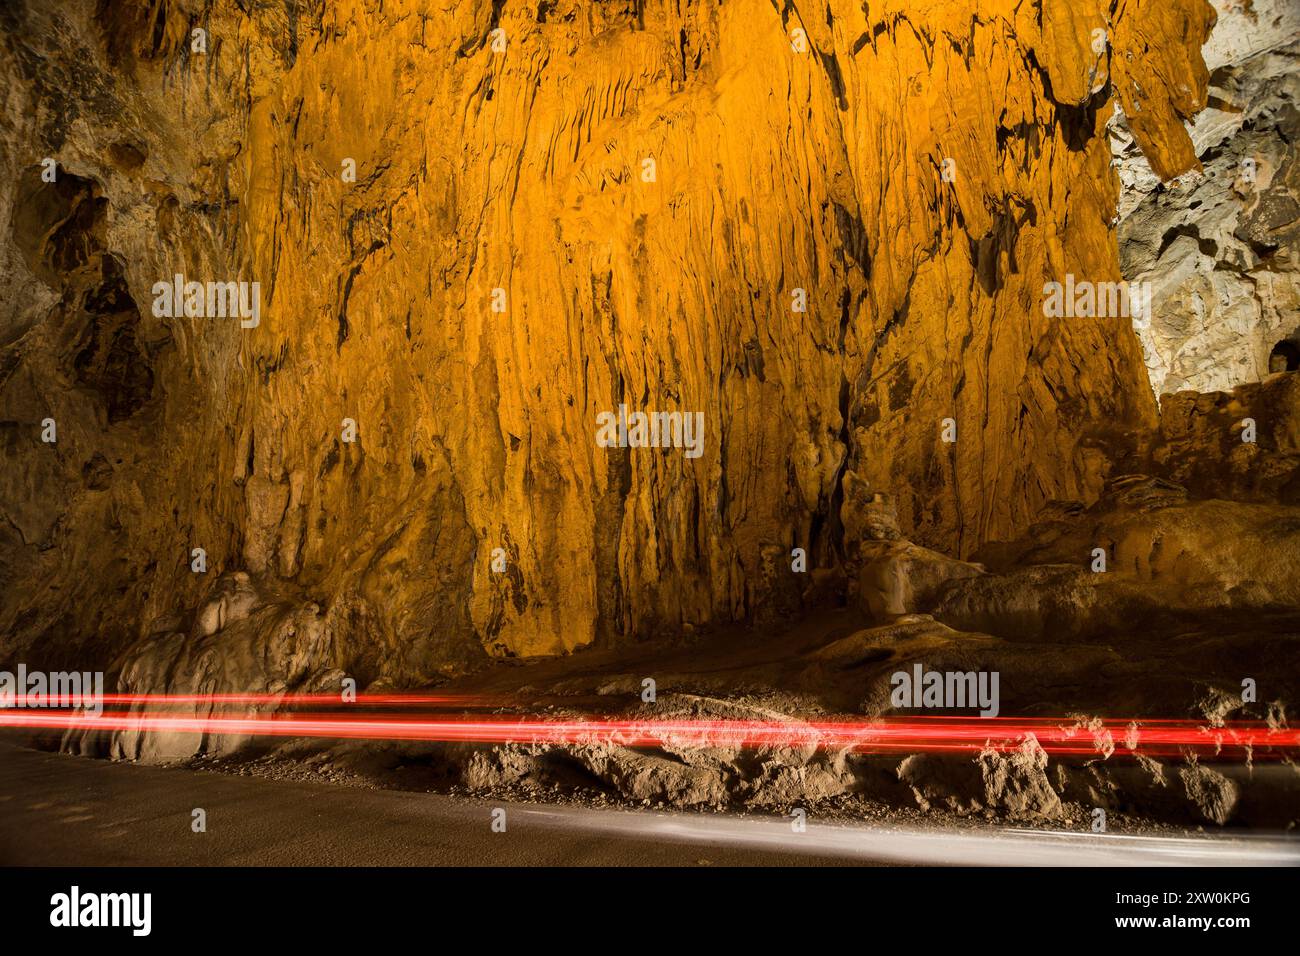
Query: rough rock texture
[[1221, 245], [1200, 441], [1165, 556], [901, 578], [1213, 794], [919, 169]]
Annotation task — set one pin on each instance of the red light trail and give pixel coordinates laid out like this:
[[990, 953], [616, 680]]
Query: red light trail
[[884, 735]]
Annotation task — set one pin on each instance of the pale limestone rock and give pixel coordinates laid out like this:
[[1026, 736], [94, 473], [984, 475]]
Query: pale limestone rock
[[1221, 247]]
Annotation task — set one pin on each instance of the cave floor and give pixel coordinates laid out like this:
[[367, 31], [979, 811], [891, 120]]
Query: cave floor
[[833, 663], [836, 661]]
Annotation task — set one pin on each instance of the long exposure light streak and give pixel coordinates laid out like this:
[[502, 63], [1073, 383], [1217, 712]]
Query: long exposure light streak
[[884, 735], [946, 846]]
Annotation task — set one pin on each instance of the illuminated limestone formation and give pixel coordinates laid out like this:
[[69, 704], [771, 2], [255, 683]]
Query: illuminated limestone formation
[[475, 228]]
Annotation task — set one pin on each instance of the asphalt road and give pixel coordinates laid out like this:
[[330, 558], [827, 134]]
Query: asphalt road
[[58, 810]]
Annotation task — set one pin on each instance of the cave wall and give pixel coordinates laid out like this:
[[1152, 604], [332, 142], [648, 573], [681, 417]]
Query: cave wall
[[1221, 244], [920, 169]]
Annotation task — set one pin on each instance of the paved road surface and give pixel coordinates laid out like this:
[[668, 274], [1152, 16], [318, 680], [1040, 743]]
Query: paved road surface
[[60, 810], [63, 810]]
